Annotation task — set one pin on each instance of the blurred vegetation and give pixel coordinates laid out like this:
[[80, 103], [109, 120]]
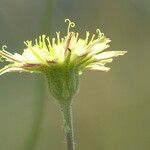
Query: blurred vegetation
[[112, 110]]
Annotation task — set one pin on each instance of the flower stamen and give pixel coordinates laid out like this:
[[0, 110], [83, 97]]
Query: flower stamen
[[87, 37], [70, 24], [68, 41], [100, 34], [93, 36], [58, 37]]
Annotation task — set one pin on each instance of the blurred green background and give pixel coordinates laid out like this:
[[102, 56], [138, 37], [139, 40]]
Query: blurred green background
[[112, 111]]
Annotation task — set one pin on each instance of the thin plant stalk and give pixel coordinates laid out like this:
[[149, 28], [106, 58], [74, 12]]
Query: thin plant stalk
[[38, 113], [66, 110]]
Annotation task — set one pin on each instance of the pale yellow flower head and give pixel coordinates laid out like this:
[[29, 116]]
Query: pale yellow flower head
[[87, 53]]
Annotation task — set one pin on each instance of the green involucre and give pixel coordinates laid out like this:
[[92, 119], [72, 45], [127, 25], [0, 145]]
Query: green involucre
[[63, 81]]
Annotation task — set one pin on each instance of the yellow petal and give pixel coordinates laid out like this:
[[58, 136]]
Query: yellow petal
[[98, 48], [109, 54], [80, 47], [98, 67]]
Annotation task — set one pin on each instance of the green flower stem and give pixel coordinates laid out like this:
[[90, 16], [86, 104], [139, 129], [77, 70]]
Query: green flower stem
[[66, 110]]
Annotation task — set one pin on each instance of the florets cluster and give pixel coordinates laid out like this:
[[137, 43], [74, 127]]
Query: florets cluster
[[88, 53]]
